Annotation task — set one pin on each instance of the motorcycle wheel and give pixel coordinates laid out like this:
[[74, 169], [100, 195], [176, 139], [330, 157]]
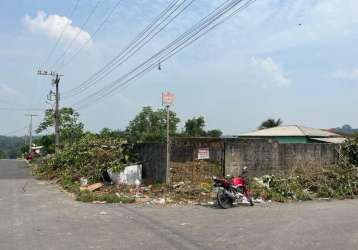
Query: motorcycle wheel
[[224, 201]]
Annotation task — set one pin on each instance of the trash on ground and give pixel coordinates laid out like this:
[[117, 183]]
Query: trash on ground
[[131, 175], [92, 187], [83, 181]]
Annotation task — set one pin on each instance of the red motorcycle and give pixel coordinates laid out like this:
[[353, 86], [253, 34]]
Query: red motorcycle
[[232, 190]]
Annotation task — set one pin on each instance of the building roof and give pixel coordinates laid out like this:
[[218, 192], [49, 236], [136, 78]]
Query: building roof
[[291, 130], [336, 140]]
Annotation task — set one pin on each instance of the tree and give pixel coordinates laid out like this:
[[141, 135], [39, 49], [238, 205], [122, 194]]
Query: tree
[[150, 125], [107, 132], [270, 123], [71, 129], [48, 143], [214, 133], [195, 127], [2, 155], [10, 146]]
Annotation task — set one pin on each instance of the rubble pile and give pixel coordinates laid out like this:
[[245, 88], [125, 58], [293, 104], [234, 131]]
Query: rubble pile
[[179, 193]]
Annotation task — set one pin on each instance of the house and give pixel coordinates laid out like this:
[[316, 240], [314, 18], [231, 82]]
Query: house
[[295, 134]]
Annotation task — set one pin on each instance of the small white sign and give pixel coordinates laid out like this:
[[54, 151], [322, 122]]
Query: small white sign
[[203, 154]]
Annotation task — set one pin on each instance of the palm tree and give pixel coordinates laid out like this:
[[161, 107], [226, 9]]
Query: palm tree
[[270, 123]]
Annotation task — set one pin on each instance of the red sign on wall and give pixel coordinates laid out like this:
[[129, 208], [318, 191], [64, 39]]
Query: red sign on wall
[[203, 154]]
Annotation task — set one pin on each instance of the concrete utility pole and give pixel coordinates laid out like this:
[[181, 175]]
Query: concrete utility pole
[[30, 130], [57, 117], [167, 101]]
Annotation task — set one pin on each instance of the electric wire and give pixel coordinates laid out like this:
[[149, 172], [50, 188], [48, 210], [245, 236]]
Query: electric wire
[[52, 51], [135, 40], [101, 25], [139, 42], [183, 44], [130, 53], [207, 20], [20, 109], [93, 10]]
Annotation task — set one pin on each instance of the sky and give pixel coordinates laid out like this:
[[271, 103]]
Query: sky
[[288, 59]]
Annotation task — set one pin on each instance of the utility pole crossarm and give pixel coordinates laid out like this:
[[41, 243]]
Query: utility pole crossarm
[[48, 73]]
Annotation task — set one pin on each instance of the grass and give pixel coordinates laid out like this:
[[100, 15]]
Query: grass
[[87, 196]]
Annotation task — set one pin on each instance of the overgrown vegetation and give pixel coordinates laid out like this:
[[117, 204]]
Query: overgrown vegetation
[[305, 182], [89, 158], [10, 146]]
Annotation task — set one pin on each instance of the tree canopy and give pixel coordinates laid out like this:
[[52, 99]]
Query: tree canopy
[[195, 127], [10, 146], [150, 125], [270, 123], [71, 128]]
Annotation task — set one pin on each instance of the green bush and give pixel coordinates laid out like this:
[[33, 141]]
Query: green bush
[[90, 157]]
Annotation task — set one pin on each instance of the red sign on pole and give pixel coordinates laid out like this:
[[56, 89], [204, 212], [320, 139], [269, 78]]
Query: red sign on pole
[[167, 99]]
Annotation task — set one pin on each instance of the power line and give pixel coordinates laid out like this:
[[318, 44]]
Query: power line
[[197, 26], [198, 31], [105, 20], [108, 68], [20, 109], [77, 34], [153, 29], [52, 51]]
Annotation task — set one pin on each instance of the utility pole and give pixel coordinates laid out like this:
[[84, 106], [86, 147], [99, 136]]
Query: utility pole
[[30, 130], [167, 101], [55, 81]]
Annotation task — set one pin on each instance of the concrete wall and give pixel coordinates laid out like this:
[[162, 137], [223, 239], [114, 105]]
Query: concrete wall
[[152, 158], [228, 157], [185, 166], [264, 157]]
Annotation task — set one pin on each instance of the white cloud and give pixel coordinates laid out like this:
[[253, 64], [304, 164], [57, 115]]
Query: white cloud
[[6, 91], [268, 72], [346, 74], [53, 25]]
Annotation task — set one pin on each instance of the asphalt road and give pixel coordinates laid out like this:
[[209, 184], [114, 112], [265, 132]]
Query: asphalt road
[[36, 215]]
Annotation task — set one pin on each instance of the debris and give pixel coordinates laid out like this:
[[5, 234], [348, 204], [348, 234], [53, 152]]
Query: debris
[[211, 203], [103, 213], [259, 201], [92, 187], [179, 184], [99, 202], [184, 224], [160, 201], [131, 175], [83, 181], [324, 199]]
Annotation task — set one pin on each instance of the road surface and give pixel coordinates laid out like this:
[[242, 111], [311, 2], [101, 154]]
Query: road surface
[[36, 215]]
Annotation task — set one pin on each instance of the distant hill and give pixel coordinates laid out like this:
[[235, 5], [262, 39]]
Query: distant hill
[[10, 146], [346, 129]]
